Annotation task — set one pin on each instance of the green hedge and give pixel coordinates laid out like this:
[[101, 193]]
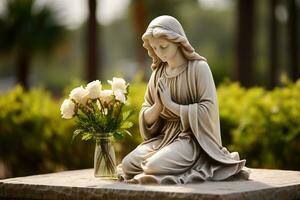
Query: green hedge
[[33, 137], [264, 126]]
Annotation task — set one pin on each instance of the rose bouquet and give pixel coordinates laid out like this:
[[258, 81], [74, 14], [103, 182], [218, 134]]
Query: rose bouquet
[[99, 115]]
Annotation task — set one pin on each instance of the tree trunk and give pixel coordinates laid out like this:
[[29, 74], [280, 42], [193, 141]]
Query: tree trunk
[[91, 71], [293, 40], [273, 69], [23, 61], [139, 15], [245, 42]]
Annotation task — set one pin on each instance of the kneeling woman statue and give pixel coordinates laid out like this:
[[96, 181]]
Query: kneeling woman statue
[[179, 119]]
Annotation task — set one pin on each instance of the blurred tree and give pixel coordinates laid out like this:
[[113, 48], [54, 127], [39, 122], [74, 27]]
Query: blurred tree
[[293, 39], [245, 41], [140, 20], [273, 69], [26, 30], [92, 51]]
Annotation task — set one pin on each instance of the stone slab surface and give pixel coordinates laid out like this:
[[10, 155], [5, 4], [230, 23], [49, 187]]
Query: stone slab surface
[[81, 184]]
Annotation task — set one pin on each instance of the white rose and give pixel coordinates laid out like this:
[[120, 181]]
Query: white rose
[[94, 88], [67, 109], [106, 95], [118, 84], [120, 96], [80, 95]]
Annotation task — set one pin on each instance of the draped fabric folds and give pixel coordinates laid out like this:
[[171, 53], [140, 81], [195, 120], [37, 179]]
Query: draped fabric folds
[[185, 148]]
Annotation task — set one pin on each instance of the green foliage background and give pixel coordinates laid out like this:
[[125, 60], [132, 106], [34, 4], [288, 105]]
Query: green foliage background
[[263, 126]]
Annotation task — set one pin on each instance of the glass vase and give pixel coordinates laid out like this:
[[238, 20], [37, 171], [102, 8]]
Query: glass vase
[[104, 157]]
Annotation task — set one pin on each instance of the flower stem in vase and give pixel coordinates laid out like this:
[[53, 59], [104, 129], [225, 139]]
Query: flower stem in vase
[[104, 159]]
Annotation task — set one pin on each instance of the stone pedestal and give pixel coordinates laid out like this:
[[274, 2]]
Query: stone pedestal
[[81, 184]]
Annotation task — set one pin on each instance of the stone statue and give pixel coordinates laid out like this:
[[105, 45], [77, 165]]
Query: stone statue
[[179, 119]]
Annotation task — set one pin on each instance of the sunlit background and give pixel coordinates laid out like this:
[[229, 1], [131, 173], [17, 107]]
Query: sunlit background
[[49, 46]]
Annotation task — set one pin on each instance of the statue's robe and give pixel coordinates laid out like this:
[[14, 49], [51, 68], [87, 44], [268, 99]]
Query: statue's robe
[[185, 148]]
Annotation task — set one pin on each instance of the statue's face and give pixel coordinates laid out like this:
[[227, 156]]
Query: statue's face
[[163, 48]]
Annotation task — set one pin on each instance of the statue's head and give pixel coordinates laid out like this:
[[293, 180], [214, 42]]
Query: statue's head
[[167, 30]]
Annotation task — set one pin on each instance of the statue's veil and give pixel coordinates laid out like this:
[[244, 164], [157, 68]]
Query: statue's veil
[[169, 28]]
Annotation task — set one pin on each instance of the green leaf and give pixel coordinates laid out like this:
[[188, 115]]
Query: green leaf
[[126, 115], [126, 124], [118, 135], [95, 107], [127, 132], [87, 136], [76, 133]]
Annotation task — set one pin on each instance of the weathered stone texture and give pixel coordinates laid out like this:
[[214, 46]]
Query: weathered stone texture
[[80, 184]]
